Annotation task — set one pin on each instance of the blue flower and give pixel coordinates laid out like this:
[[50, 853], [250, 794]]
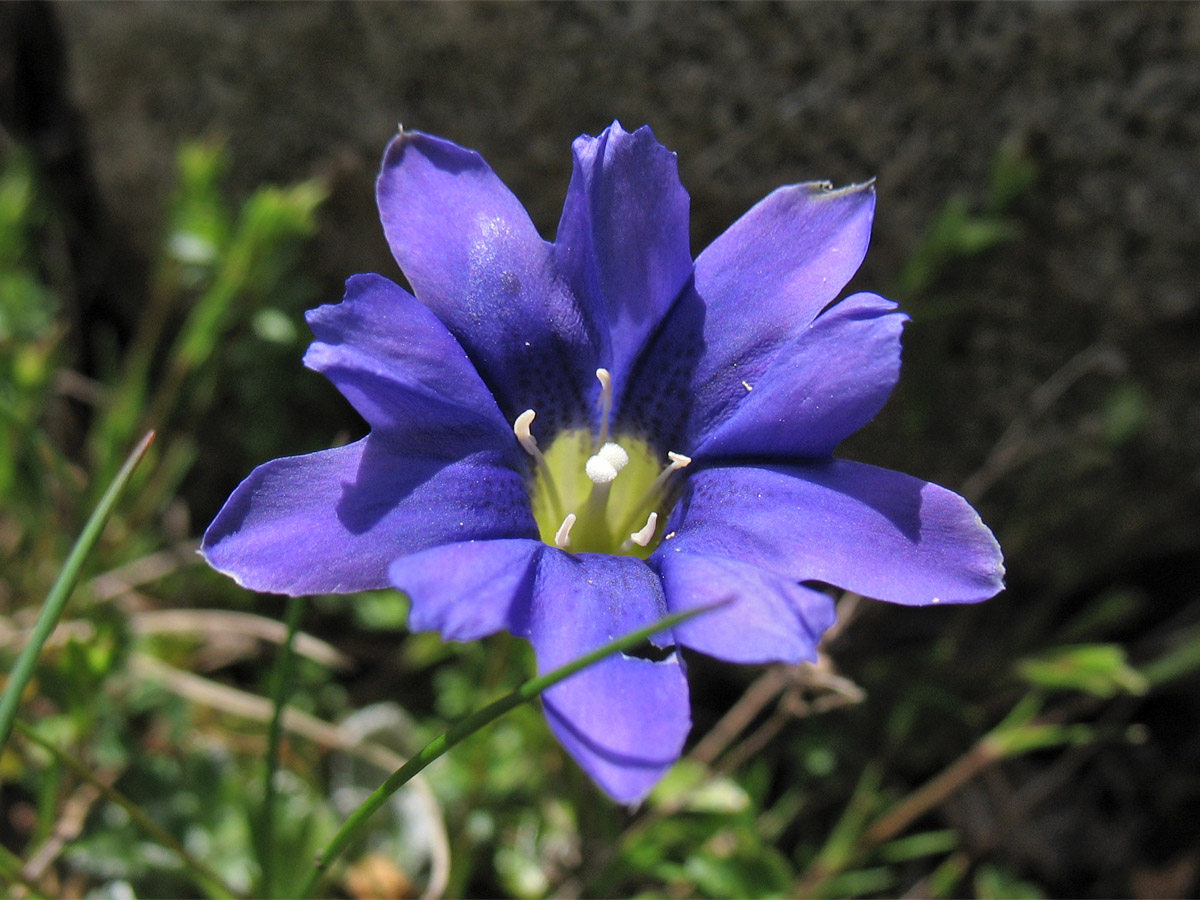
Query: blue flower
[[569, 440]]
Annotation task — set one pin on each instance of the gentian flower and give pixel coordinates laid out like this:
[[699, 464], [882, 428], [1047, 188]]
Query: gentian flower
[[570, 440]]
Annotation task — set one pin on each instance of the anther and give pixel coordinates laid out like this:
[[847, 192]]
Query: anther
[[524, 436], [526, 439], [678, 461], [643, 537], [562, 537]]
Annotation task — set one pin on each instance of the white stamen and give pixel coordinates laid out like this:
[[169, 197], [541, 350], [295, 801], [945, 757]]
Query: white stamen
[[642, 538], [657, 489], [678, 461], [524, 437], [614, 455], [562, 537], [600, 470], [606, 397]]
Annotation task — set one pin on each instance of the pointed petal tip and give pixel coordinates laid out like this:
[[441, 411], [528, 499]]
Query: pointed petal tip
[[213, 562], [989, 575], [616, 132], [824, 190], [442, 153]]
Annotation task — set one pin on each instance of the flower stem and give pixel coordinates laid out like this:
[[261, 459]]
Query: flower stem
[[281, 688], [56, 600], [473, 723]]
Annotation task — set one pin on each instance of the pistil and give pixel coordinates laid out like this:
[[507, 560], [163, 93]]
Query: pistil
[[606, 402], [580, 503]]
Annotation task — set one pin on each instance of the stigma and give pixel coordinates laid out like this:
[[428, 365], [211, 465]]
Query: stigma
[[606, 463]]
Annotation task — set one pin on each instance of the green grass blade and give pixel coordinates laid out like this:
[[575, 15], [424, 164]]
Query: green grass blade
[[281, 687], [56, 600]]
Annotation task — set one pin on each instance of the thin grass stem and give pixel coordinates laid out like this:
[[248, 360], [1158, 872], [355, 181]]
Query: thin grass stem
[[281, 687], [56, 600], [473, 723]]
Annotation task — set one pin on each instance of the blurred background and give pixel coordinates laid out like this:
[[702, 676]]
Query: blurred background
[[179, 182]]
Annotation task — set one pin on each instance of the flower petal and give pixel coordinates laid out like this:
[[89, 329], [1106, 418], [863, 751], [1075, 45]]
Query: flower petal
[[623, 237], [472, 255], [624, 719], [468, 591], [403, 371], [756, 287], [825, 384], [873, 531], [332, 521], [770, 618]]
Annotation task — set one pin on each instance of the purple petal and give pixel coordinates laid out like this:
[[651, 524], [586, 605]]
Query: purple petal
[[824, 385], [780, 264], [770, 618], [403, 371], [623, 237], [471, 254], [757, 287], [468, 591], [332, 521], [873, 531], [624, 719]]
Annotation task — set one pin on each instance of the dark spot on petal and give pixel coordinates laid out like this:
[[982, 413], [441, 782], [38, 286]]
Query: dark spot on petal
[[647, 650]]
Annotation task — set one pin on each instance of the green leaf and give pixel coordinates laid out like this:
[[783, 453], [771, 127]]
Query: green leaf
[[1028, 738], [1097, 669], [691, 787], [1013, 175], [859, 883], [995, 883], [916, 846], [1181, 661]]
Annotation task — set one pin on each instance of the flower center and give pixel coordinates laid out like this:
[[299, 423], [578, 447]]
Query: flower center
[[591, 494]]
